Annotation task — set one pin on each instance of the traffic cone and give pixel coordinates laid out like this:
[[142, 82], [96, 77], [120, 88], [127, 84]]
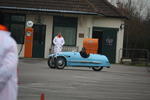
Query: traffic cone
[[42, 96]]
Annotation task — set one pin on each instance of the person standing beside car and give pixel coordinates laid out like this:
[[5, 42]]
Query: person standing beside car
[[8, 65], [58, 43]]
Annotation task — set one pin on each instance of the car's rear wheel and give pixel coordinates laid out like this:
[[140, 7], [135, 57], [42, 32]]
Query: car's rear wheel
[[97, 68], [60, 62], [51, 62]]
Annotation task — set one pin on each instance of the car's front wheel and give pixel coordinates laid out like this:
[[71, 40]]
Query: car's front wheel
[[97, 68], [60, 63], [51, 62]]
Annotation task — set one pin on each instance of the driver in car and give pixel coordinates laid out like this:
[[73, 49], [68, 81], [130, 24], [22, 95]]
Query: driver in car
[[83, 53]]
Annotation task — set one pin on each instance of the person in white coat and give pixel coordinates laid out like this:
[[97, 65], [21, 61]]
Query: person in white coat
[[58, 43], [8, 65]]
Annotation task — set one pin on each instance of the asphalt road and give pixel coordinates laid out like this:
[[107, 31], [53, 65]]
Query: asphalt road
[[119, 82]]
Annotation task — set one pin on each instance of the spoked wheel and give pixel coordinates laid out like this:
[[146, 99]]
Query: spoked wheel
[[51, 63], [60, 63], [97, 68]]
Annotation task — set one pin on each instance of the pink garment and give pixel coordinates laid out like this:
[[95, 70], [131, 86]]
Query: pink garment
[[58, 44], [8, 67]]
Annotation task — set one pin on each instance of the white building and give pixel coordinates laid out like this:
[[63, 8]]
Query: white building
[[76, 19]]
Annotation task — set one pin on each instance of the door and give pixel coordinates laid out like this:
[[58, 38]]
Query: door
[[108, 38], [98, 35], [38, 41]]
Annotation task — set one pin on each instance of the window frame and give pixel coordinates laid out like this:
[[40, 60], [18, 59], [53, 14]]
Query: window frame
[[8, 22], [65, 17]]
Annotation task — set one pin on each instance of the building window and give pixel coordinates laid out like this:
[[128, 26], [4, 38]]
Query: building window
[[17, 18], [68, 27], [16, 25], [17, 31]]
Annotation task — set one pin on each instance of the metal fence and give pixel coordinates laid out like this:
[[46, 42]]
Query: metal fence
[[65, 48], [136, 56]]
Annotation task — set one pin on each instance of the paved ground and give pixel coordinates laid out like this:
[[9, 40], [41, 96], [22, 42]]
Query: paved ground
[[119, 82]]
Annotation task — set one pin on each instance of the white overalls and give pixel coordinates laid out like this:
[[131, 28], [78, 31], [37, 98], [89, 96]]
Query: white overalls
[[8, 67]]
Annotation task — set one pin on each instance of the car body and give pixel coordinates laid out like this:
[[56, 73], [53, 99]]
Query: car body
[[62, 59]]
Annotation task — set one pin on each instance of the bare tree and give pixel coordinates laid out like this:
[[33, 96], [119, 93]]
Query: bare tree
[[137, 28]]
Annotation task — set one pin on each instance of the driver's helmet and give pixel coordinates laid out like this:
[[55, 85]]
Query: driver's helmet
[[83, 49]]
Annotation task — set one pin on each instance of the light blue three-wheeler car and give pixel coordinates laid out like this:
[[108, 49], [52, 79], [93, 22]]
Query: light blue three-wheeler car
[[95, 61]]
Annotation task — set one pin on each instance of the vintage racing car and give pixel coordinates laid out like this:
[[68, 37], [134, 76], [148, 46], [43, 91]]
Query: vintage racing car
[[95, 61]]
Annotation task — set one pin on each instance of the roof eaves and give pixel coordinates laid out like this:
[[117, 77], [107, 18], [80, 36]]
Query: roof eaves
[[49, 10], [124, 17]]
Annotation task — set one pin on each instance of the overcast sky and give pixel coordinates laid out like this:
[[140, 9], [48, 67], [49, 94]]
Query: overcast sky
[[146, 4], [148, 1]]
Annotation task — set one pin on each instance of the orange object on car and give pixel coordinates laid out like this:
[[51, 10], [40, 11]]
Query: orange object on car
[[91, 45]]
